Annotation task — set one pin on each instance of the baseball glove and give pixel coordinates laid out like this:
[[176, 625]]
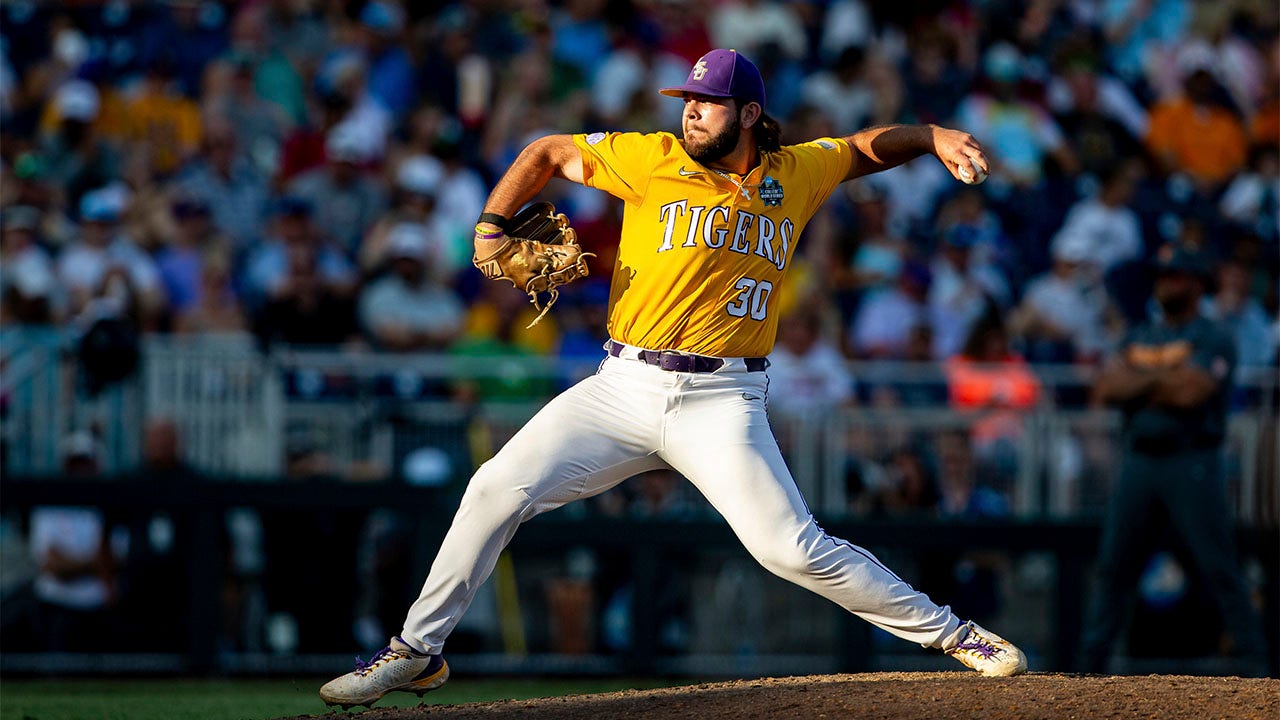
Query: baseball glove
[[538, 253]]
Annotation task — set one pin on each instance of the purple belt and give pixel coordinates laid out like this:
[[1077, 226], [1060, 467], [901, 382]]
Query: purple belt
[[673, 361]]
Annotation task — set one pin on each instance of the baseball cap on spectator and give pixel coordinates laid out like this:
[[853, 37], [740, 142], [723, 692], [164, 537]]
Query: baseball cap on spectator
[[410, 241], [1071, 248], [1003, 63], [382, 17], [722, 73], [102, 205], [421, 175], [77, 100]]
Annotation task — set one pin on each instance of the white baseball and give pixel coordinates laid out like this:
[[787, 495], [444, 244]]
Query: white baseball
[[971, 178]]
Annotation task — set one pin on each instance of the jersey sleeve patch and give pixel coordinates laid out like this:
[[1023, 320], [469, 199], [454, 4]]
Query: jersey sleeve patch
[[594, 138]]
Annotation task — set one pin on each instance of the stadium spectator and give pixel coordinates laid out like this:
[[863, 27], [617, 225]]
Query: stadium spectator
[[1252, 200], [962, 291], [750, 25], [910, 489], [181, 262], [28, 286], [497, 327], [77, 159], [76, 585], [877, 260], [1241, 315], [622, 92], [408, 308], [304, 307], [935, 83], [260, 125], [1106, 227], [1100, 118], [189, 34], [84, 266], [160, 122], [293, 233], [1060, 317], [216, 309], [807, 374], [988, 380], [1018, 134], [883, 324], [580, 39], [841, 91], [390, 69], [346, 201], [1193, 133], [414, 201], [228, 183]]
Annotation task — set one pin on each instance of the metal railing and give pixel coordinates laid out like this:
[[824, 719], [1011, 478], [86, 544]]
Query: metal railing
[[243, 413]]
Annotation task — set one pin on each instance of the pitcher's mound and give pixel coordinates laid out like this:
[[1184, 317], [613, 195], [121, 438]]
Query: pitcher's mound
[[897, 696]]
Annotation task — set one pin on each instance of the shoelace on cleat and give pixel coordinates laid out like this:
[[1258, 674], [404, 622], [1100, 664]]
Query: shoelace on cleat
[[980, 645], [386, 653]]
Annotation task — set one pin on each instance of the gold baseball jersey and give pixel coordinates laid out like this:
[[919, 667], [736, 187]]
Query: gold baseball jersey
[[703, 252]]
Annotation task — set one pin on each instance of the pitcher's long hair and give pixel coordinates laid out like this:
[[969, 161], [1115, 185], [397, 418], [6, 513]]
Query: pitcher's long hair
[[768, 134]]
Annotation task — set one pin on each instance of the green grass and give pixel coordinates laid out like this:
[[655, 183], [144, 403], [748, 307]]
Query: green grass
[[247, 699]]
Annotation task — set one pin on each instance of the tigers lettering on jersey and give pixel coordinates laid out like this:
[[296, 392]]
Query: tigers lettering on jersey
[[702, 251], [772, 241]]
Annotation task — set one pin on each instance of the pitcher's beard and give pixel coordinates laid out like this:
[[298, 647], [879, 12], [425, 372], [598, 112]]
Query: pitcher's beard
[[717, 147]]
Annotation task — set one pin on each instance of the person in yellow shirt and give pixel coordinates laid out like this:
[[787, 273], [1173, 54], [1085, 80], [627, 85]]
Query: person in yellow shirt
[[709, 231], [162, 123]]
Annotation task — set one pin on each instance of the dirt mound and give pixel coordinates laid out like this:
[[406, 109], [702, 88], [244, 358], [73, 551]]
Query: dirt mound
[[895, 696]]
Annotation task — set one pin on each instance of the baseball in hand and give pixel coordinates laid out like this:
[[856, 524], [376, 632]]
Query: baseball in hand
[[972, 176]]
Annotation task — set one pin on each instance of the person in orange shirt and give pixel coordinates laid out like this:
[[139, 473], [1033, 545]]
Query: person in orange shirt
[[987, 379], [1191, 133]]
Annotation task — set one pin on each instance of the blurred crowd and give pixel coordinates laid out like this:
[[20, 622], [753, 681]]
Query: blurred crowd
[[309, 171]]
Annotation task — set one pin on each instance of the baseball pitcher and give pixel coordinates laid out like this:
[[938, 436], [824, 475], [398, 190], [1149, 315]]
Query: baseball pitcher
[[710, 227]]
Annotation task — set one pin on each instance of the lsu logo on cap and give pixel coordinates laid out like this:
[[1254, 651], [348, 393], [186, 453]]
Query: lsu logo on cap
[[700, 70]]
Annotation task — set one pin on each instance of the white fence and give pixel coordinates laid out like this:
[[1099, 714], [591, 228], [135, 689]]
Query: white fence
[[360, 415]]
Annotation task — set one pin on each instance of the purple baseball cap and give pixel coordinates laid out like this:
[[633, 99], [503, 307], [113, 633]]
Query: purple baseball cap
[[722, 73]]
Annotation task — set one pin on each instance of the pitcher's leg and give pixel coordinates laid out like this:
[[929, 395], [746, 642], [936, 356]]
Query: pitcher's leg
[[727, 450], [580, 444]]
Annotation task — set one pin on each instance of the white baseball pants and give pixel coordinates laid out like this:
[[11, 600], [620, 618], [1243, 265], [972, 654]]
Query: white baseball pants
[[711, 428]]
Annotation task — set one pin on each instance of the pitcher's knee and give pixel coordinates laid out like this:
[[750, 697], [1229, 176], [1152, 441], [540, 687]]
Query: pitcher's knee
[[787, 560], [493, 492]]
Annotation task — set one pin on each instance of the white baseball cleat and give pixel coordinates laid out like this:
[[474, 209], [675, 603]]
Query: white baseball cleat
[[395, 667], [988, 653]]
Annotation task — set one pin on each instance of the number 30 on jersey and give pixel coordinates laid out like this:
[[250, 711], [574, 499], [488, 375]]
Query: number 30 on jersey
[[752, 299]]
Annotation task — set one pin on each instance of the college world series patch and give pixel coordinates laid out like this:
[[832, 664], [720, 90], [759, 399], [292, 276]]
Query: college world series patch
[[771, 192]]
